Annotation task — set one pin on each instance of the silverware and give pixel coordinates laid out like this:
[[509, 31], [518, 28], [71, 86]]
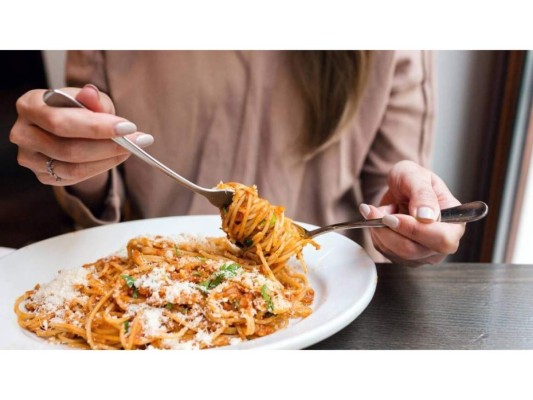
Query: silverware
[[467, 212], [218, 197]]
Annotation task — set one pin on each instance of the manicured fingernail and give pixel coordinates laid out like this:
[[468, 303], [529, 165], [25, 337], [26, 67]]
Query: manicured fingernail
[[391, 221], [144, 140], [125, 128], [93, 87], [425, 213], [364, 209]]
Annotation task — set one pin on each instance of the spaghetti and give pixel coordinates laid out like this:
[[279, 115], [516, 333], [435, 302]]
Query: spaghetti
[[184, 293], [262, 230]]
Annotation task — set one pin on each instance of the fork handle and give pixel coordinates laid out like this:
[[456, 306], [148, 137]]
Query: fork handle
[[467, 212]]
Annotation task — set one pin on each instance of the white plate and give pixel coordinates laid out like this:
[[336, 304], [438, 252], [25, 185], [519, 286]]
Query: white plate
[[341, 273]]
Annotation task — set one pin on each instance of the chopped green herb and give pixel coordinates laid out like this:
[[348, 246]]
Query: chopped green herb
[[203, 286], [126, 326], [248, 242], [224, 210], [135, 293], [267, 298], [227, 271], [169, 306], [196, 273], [273, 220], [176, 250], [212, 282], [129, 280]]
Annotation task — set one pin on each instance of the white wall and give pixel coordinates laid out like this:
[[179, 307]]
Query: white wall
[[54, 63], [462, 100]]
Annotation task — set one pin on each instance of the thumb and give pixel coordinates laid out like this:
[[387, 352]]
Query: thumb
[[413, 185], [91, 98], [423, 201]]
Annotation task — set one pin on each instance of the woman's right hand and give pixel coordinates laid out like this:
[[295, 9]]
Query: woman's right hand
[[76, 139]]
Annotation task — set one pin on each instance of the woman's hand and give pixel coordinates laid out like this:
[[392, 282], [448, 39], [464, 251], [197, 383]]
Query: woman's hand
[[77, 140], [411, 210]]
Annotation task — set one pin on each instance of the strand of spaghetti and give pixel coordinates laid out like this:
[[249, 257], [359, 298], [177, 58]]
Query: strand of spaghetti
[[218, 332], [134, 330], [250, 324], [69, 328], [233, 209], [242, 227], [266, 269], [88, 323], [122, 335], [182, 321]]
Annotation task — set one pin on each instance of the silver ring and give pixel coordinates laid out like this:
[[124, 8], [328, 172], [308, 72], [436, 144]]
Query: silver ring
[[50, 168]]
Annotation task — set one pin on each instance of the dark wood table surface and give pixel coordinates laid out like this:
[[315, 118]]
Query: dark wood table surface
[[448, 306]]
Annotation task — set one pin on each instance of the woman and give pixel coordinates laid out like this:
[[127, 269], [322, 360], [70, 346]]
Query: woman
[[317, 132]]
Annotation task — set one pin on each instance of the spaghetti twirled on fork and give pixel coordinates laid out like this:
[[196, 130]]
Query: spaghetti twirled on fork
[[261, 230]]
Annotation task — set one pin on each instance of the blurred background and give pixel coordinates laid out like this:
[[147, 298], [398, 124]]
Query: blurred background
[[482, 149]]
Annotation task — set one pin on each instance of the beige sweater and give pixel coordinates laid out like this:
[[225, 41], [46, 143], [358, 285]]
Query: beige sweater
[[236, 116]]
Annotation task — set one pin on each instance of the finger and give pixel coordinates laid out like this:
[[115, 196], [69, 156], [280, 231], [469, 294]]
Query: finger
[[32, 160], [74, 150], [446, 198], [400, 249], [89, 96], [371, 212], [392, 243], [412, 183], [70, 174], [72, 122], [38, 163], [433, 258], [440, 237]]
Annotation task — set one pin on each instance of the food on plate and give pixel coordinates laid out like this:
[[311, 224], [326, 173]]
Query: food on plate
[[185, 292]]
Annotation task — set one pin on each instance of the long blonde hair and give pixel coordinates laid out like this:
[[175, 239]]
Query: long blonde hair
[[331, 83]]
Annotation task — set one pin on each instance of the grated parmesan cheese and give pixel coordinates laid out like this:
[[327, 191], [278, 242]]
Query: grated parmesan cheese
[[152, 321], [178, 292], [204, 337], [154, 280], [56, 294]]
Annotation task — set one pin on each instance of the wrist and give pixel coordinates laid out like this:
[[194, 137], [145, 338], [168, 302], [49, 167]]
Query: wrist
[[92, 192]]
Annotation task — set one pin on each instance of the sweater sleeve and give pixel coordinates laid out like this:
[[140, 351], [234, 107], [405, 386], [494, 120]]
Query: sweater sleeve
[[84, 67], [406, 129], [83, 216]]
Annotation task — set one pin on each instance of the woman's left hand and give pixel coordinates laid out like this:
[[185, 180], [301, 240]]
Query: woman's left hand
[[411, 210]]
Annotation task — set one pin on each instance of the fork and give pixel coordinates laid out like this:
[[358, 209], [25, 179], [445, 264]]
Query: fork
[[218, 197], [467, 212]]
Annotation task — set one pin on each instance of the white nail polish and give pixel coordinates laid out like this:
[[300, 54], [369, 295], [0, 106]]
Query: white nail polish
[[364, 209], [425, 213], [391, 221], [144, 140], [125, 128]]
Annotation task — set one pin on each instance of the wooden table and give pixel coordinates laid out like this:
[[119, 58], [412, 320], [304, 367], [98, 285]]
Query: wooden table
[[449, 306]]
